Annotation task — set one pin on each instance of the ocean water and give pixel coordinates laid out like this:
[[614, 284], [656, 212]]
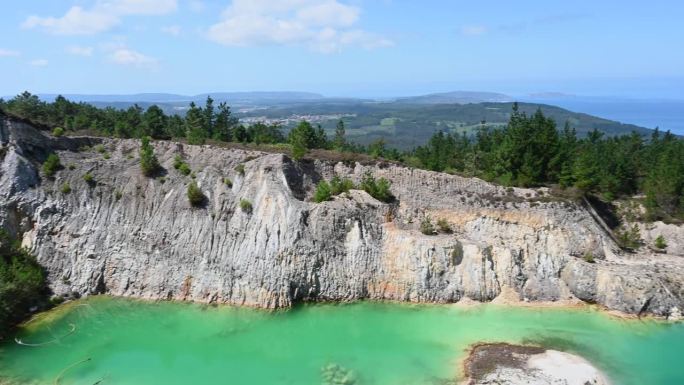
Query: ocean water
[[119, 341], [667, 115]]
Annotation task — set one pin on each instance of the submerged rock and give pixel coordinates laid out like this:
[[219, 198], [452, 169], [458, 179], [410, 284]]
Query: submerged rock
[[131, 235], [505, 364]]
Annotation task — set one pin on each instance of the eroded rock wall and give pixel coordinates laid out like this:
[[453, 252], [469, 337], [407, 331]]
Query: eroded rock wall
[[130, 235]]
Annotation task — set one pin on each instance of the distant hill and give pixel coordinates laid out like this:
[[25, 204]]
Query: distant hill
[[406, 125], [460, 97], [256, 97]]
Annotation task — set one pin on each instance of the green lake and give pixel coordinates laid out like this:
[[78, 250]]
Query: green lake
[[119, 341]]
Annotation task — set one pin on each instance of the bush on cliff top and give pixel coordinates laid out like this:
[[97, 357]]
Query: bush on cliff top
[[378, 189]]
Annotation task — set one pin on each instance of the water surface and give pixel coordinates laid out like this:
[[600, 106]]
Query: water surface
[[134, 342]]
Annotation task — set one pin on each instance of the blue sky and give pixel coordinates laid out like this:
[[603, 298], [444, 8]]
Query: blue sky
[[343, 47]]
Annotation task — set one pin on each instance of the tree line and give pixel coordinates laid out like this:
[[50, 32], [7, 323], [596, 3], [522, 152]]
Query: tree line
[[528, 151]]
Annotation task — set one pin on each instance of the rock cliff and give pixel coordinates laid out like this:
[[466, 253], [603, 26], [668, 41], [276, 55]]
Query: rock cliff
[[126, 234]]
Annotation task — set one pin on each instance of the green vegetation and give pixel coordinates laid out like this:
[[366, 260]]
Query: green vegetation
[[240, 168], [195, 195], [22, 283], [339, 142], [630, 238], [304, 137], [228, 182], [246, 206], [660, 243], [118, 194], [379, 189], [508, 143], [588, 257], [426, 226], [529, 151], [148, 161], [89, 178], [65, 189], [58, 131], [323, 192], [443, 226], [180, 165], [99, 148], [51, 165], [340, 185]]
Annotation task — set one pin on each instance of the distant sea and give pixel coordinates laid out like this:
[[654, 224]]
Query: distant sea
[[667, 115]]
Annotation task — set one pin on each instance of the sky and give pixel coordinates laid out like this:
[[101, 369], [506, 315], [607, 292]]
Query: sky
[[368, 48]]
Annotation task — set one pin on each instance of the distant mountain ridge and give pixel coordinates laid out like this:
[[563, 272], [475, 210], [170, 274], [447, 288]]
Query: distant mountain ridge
[[457, 97], [234, 97]]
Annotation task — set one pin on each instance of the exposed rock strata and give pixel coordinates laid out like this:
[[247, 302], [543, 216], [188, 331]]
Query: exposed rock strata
[[135, 236]]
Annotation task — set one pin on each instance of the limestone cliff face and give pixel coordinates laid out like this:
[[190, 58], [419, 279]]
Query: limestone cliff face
[[126, 234]]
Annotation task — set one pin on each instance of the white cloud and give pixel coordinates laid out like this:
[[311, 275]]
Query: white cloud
[[173, 30], [322, 25], [103, 16], [38, 63], [196, 6], [129, 57], [80, 51], [7, 52], [473, 30], [140, 7]]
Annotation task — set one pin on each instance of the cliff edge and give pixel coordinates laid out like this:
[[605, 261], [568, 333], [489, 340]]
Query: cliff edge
[[126, 234]]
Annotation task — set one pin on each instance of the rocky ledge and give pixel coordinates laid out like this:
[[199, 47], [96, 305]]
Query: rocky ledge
[[505, 364], [121, 233]]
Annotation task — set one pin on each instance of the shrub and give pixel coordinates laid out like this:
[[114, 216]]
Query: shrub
[[240, 168], [148, 161], [180, 165], [99, 148], [184, 169], [51, 165], [588, 257], [443, 225], [177, 161], [195, 194], [228, 182], [23, 283], [72, 166], [118, 194], [379, 189], [246, 206], [339, 186], [88, 177], [65, 189], [106, 155], [630, 238], [660, 242], [58, 131], [322, 192], [426, 226]]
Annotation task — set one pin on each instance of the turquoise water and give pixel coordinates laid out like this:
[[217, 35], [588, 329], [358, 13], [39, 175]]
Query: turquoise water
[[135, 342]]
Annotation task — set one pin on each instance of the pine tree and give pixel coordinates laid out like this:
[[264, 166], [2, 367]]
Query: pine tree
[[148, 161], [209, 118], [154, 123], [339, 142], [194, 125]]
